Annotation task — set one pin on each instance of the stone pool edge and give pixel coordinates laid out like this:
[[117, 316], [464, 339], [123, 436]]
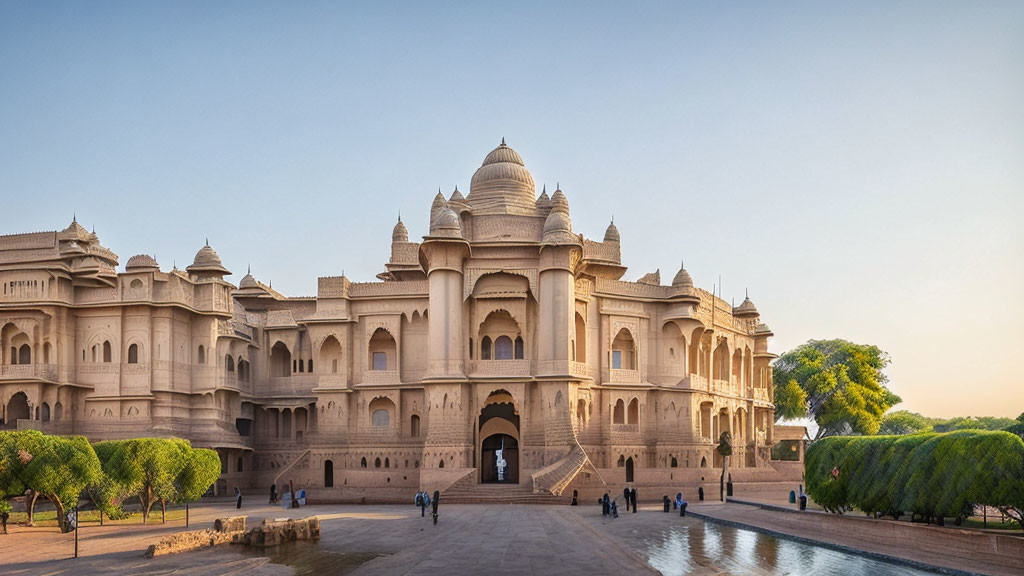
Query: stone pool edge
[[837, 547]]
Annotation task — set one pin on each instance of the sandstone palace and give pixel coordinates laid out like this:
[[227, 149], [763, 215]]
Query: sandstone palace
[[501, 330]]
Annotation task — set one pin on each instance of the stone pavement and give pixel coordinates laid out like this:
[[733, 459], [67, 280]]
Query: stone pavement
[[474, 539]]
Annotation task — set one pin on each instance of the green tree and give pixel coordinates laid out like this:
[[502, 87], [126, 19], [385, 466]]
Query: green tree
[[147, 468], [790, 401], [904, 422], [57, 468], [201, 470], [843, 383]]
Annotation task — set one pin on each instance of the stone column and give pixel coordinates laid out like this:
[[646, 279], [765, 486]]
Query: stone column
[[557, 309], [442, 259]]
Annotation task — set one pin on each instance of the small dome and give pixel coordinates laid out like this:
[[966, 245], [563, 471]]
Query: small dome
[[746, 309], [207, 260], [558, 226], [141, 262], [682, 278], [436, 207], [457, 197], [399, 234], [248, 282], [75, 232], [447, 224], [544, 201], [612, 233]]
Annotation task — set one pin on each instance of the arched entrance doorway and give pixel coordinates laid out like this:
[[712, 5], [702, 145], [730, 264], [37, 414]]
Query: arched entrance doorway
[[629, 469], [499, 440], [17, 409], [328, 474]]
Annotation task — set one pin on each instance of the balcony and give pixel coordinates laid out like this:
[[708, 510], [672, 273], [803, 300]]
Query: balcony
[[29, 371], [581, 369], [623, 376], [381, 377], [761, 394], [625, 428], [490, 368]]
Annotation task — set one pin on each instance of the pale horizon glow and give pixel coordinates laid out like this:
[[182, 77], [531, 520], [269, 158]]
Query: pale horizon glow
[[858, 168]]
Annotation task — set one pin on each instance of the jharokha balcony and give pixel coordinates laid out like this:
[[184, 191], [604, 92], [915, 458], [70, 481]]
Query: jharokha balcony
[[28, 372], [491, 368]]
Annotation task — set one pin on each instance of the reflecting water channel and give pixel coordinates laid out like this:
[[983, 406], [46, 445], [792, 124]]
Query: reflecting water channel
[[698, 547]]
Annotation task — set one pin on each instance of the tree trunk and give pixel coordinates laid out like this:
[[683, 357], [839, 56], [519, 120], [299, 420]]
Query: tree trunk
[[30, 506], [163, 511]]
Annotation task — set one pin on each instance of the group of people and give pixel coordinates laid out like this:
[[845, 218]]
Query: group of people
[[609, 506], [423, 499]]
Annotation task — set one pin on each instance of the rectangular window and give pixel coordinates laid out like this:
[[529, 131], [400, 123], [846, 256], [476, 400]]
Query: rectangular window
[[380, 361], [617, 359]]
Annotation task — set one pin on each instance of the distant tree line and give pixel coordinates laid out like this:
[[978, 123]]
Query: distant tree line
[[906, 422], [930, 476], [63, 469]]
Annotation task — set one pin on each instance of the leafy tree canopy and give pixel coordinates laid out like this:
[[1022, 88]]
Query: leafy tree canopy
[[906, 422], [842, 384]]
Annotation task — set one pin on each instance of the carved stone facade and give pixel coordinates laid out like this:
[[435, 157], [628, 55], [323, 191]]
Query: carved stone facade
[[501, 329]]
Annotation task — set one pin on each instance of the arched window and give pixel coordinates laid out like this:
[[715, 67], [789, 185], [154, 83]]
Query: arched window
[[623, 351], [470, 348], [58, 411], [330, 354], [485, 348], [503, 348], [383, 350], [46, 353], [362, 463], [414, 426], [441, 463], [376, 463], [295, 366], [106, 351], [310, 364], [302, 365], [581, 339], [387, 462], [280, 360], [229, 363], [634, 411], [621, 462], [703, 462], [519, 348], [136, 284], [201, 356], [674, 463], [328, 474], [619, 413], [133, 354], [380, 412], [46, 412], [25, 354]]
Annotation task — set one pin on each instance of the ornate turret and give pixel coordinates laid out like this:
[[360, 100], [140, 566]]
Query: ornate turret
[[446, 225], [399, 233], [682, 278], [558, 226], [437, 206], [207, 263], [746, 309], [544, 201], [612, 233], [457, 198]]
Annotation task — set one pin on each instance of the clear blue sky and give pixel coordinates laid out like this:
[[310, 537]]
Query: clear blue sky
[[859, 168]]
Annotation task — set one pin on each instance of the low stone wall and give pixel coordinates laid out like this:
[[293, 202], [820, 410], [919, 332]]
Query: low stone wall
[[232, 530]]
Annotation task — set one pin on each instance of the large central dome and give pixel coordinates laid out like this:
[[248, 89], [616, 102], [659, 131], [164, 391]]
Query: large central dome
[[502, 185]]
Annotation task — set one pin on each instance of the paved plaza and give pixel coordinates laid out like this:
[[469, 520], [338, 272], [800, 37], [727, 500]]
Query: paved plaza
[[469, 539]]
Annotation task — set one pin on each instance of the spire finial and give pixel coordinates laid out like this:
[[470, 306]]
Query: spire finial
[[74, 217], [746, 293], [503, 141], [557, 186], [248, 269], [93, 228], [545, 189], [207, 240], [399, 215], [613, 218]]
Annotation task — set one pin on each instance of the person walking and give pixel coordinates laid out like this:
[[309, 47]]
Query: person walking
[[606, 507], [437, 500], [273, 493], [632, 495], [625, 497], [238, 498], [681, 503], [3, 520], [423, 500]]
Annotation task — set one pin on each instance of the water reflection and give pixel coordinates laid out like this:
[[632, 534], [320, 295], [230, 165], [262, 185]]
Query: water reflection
[[309, 558], [696, 548]]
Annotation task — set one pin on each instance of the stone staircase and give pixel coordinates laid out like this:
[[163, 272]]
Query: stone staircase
[[467, 491]]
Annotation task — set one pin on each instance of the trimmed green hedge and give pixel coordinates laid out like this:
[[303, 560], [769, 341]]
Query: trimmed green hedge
[[931, 475]]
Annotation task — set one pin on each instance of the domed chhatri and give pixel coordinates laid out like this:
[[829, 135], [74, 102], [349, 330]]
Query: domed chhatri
[[502, 185], [558, 226], [746, 309], [399, 233], [207, 260], [611, 234], [544, 201], [682, 278], [457, 197], [141, 262], [446, 225]]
